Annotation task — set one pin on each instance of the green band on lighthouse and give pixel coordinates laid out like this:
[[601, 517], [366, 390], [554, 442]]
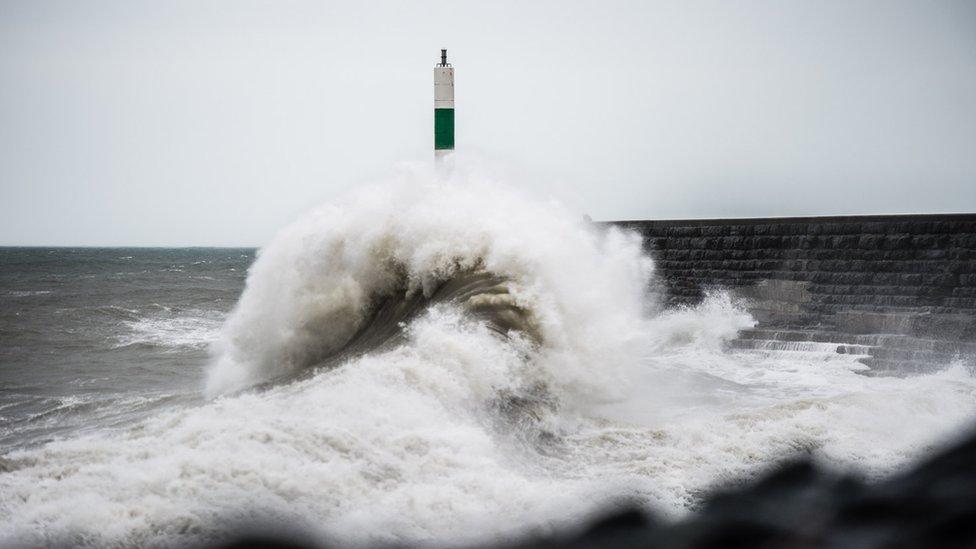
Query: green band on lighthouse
[[443, 129]]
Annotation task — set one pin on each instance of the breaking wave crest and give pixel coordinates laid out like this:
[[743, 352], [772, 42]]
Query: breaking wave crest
[[346, 279], [449, 360]]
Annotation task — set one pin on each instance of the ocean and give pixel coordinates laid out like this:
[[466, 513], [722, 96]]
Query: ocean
[[420, 361], [96, 337]]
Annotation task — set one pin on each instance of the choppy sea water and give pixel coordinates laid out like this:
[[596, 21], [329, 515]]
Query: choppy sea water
[[94, 338], [421, 361]]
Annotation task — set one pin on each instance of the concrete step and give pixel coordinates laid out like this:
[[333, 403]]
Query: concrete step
[[887, 341], [883, 354], [800, 347]]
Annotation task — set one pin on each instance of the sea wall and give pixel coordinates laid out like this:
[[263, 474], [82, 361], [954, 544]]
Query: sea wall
[[900, 286]]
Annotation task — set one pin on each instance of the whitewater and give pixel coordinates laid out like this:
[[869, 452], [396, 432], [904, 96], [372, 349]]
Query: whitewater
[[446, 359]]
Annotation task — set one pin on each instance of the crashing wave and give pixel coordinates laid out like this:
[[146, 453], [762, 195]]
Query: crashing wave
[[436, 359], [347, 277]]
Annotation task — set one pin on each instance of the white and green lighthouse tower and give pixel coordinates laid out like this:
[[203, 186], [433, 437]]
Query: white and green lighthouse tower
[[443, 108]]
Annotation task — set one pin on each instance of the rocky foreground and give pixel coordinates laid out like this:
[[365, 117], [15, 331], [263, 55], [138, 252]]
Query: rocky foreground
[[800, 505]]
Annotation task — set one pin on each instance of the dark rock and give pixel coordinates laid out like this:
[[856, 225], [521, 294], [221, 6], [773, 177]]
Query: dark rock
[[798, 505]]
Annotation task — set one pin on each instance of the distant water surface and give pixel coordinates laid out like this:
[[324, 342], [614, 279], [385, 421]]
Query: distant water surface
[[97, 337]]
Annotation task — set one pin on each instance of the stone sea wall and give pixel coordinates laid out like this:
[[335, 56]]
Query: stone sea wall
[[898, 289]]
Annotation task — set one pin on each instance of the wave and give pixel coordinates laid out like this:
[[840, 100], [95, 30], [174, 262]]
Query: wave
[[194, 328], [28, 293], [347, 278], [449, 360]]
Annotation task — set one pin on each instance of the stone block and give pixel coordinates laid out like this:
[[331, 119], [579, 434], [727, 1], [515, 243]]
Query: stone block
[[924, 253], [869, 241], [715, 230]]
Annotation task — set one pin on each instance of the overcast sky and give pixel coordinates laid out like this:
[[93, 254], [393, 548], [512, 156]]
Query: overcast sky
[[215, 123]]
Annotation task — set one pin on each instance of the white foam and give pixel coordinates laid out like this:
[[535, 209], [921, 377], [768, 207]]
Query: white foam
[[190, 329], [308, 290], [28, 293], [408, 445]]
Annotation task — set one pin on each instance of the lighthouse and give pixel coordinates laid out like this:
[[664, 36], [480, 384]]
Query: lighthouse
[[443, 108]]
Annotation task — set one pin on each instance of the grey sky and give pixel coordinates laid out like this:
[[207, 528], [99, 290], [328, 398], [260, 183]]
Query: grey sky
[[214, 123]]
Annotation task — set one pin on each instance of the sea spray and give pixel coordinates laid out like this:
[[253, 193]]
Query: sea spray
[[454, 431], [319, 279]]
